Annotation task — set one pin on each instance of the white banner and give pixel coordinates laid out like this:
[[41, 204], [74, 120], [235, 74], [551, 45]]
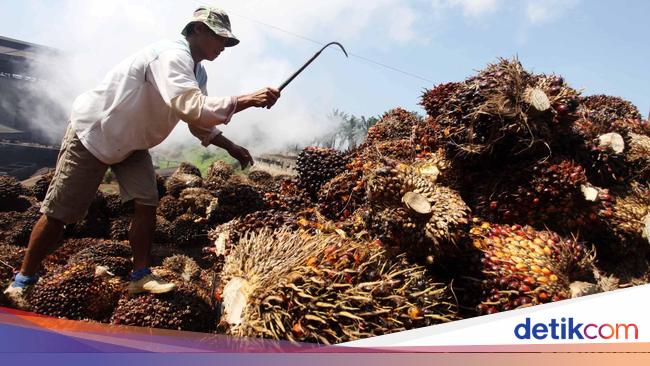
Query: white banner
[[615, 316]]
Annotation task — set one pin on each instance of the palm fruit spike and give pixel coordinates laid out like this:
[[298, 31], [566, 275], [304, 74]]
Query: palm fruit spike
[[325, 289], [184, 266], [75, 291], [236, 200], [11, 257], [178, 181], [409, 211], [39, 189], [113, 255], [316, 166], [438, 168], [623, 224], [638, 155], [546, 193], [10, 191], [522, 266], [396, 124], [181, 309]]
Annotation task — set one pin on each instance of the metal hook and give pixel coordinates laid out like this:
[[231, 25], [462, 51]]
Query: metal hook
[[310, 61]]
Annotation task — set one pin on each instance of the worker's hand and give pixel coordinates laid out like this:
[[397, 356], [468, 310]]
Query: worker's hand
[[263, 98], [241, 154]]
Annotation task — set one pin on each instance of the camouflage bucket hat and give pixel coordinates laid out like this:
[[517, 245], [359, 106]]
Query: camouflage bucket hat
[[217, 20]]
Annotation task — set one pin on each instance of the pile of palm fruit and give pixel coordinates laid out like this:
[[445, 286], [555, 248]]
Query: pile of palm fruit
[[514, 190]]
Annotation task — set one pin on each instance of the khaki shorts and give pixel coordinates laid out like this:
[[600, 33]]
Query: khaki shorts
[[79, 173]]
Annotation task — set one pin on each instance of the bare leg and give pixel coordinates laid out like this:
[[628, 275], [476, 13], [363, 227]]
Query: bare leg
[[45, 237], [141, 233]]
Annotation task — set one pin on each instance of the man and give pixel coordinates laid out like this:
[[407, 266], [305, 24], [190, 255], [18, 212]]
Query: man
[[135, 108]]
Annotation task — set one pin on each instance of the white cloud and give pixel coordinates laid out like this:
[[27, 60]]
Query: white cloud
[[543, 11], [401, 28], [471, 8]]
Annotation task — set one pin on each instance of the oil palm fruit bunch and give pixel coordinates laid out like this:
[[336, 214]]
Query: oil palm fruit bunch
[[10, 192], [288, 196], [187, 168], [120, 228], [184, 266], [163, 232], [522, 266], [324, 289], [182, 309], [170, 207], [16, 227], [402, 150], [442, 99], [178, 181], [544, 193], [39, 189], [396, 124], [260, 220], [439, 168], [218, 174], [624, 225], [197, 201], [76, 291], [115, 207], [160, 186], [67, 249], [260, 177], [408, 210], [605, 134], [604, 109], [503, 110], [316, 166], [425, 136], [189, 230], [112, 255], [614, 153], [236, 200], [96, 224], [342, 195]]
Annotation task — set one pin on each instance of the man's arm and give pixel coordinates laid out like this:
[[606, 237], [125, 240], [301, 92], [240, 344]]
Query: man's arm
[[262, 98], [238, 152]]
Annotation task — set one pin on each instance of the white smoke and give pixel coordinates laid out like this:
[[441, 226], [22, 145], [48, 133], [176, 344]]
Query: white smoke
[[95, 35]]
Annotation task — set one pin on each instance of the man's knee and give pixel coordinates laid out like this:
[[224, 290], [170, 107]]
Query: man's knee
[[51, 222]]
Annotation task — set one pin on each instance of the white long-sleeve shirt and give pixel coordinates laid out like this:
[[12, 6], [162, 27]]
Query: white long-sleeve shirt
[[141, 100]]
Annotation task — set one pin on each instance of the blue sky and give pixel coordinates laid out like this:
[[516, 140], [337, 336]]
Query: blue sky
[[598, 46]]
